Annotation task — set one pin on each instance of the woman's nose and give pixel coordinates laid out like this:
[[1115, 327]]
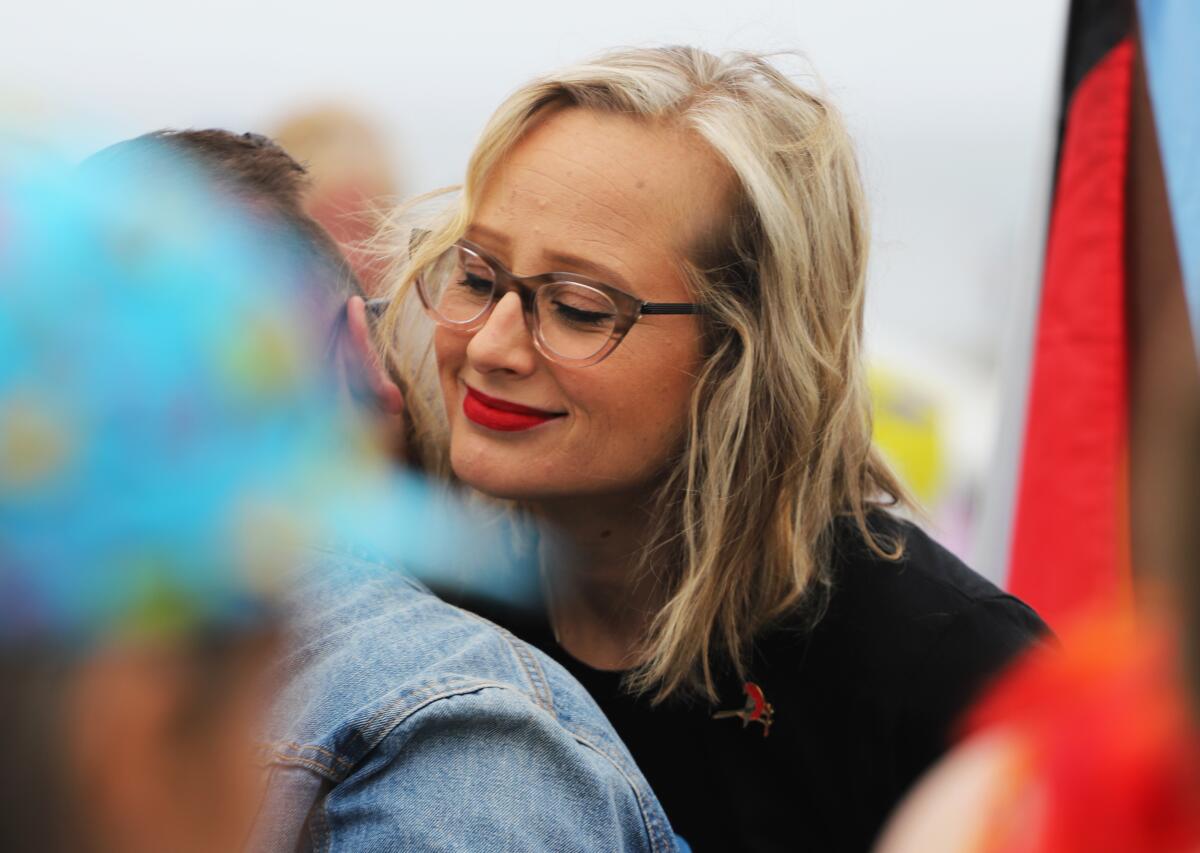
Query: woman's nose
[[503, 342]]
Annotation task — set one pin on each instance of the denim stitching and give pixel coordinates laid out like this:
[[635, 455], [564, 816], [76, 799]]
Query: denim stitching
[[654, 828], [529, 664], [312, 747], [404, 707], [395, 713], [654, 825], [527, 661], [308, 764], [536, 675], [425, 696]]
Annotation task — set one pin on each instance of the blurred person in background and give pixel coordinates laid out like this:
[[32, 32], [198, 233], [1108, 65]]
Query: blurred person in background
[[402, 722], [157, 434], [255, 174], [351, 179], [349, 186], [639, 324], [141, 743]]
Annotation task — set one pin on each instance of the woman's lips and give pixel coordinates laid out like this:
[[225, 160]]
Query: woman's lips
[[502, 415]]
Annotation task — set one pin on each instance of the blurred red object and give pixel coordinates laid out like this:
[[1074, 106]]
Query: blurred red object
[[1071, 537], [1111, 751]]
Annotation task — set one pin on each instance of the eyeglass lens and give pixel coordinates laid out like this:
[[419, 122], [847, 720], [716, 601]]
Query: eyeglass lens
[[574, 320]]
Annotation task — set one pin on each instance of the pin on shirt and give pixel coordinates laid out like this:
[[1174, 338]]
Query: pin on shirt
[[756, 710]]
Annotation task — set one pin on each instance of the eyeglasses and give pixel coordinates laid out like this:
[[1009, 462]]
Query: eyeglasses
[[573, 320]]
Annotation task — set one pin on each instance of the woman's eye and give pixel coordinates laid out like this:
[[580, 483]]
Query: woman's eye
[[476, 283], [581, 316]]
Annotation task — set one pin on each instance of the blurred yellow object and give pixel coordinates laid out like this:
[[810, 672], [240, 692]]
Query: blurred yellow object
[[908, 431], [262, 358], [34, 444]]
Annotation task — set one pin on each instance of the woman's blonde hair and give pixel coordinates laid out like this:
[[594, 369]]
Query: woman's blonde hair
[[779, 442]]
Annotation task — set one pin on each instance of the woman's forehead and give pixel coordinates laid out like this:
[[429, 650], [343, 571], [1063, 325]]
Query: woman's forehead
[[604, 181]]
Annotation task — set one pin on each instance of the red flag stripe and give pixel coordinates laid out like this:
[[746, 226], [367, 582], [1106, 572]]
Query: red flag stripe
[[1070, 543]]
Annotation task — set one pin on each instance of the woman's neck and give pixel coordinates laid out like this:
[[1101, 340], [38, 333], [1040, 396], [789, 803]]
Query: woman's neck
[[598, 604]]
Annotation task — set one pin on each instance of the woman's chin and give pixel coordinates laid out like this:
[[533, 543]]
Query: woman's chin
[[503, 489], [493, 476]]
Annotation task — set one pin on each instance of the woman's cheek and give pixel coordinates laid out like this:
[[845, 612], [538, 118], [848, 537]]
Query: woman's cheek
[[449, 351]]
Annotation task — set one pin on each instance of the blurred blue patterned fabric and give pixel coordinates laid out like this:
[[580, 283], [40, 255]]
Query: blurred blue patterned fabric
[[170, 430]]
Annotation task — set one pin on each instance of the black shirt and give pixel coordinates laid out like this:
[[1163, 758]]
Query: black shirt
[[862, 704]]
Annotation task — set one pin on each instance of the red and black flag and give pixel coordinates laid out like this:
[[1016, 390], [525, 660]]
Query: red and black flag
[[1071, 531]]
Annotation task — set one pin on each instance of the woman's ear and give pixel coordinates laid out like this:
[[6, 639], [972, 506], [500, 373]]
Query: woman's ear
[[365, 364]]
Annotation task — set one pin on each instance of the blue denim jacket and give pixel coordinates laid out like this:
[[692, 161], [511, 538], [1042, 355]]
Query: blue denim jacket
[[407, 724]]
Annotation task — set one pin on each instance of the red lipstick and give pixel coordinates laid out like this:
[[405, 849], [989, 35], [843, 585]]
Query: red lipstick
[[502, 415]]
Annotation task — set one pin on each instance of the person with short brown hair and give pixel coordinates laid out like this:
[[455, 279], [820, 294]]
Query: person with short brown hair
[[403, 722], [260, 177]]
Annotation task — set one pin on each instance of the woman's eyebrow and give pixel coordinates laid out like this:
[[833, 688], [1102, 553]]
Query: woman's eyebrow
[[488, 234], [589, 268], [564, 261]]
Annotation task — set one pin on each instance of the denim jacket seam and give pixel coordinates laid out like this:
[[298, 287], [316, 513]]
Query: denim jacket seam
[[383, 722], [403, 708], [339, 766], [525, 659], [312, 747], [347, 551], [308, 764], [530, 666], [399, 709], [659, 839]]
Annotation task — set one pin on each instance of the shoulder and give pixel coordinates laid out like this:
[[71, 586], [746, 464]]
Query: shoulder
[[927, 592], [364, 636], [398, 703], [914, 639], [519, 778], [928, 632], [366, 642]]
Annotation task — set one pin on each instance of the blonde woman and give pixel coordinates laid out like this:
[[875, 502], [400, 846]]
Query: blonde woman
[[639, 322]]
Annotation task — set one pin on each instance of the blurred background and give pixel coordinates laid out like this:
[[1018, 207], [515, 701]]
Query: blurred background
[[954, 107]]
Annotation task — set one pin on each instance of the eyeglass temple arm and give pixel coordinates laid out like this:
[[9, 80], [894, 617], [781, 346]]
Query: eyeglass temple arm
[[376, 307], [671, 308]]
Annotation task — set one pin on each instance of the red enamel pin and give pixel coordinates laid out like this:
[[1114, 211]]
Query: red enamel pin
[[756, 710]]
